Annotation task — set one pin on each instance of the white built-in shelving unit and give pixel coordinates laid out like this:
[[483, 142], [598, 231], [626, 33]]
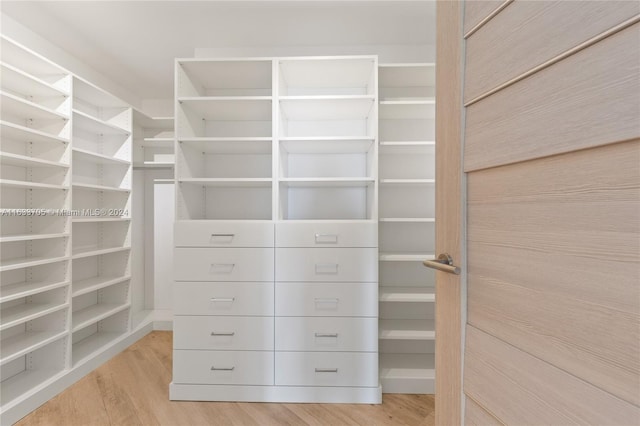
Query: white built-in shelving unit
[[276, 207], [153, 141], [407, 226]]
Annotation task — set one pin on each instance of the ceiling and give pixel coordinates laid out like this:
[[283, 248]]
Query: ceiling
[[134, 42]]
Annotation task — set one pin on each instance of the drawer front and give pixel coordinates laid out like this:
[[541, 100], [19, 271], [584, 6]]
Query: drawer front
[[223, 333], [326, 369], [219, 264], [207, 298], [223, 234], [327, 334], [323, 264], [223, 367], [327, 299], [327, 234]]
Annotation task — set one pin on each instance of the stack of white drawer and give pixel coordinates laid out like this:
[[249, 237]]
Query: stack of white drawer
[[326, 304], [224, 303]]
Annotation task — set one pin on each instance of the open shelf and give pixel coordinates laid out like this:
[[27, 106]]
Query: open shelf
[[94, 251], [13, 105], [407, 109], [99, 188], [22, 133], [23, 382], [10, 159], [231, 145], [228, 182], [9, 183], [88, 347], [96, 158], [236, 77], [306, 108], [96, 283], [356, 182], [326, 145], [19, 81], [21, 344], [406, 147], [24, 289], [30, 237], [229, 108], [95, 125], [26, 312], [407, 294], [406, 257], [407, 373], [406, 330], [26, 262], [94, 313], [157, 142]]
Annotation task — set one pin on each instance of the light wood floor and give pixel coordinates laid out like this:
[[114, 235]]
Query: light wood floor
[[133, 389]]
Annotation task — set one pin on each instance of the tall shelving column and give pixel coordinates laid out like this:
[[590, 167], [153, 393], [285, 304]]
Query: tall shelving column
[[224, 256], [326, 236], [35, 243], [407, 227], [101, 183]]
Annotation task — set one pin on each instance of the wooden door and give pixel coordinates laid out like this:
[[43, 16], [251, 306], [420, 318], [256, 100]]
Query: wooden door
[[546, 99]]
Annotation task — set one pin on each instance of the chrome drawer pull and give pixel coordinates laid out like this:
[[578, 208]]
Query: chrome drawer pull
[[231, 333], [222, 238], [327, 300], [222, 268], [327, 335], [326, 370], [214, 368], [326, 238], [326, 268], [223, 299]]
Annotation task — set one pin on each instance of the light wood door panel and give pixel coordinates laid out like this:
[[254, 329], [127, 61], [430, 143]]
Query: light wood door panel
[[475, 11], [475, 415], [521, 389], [503, 48], [589, 99]]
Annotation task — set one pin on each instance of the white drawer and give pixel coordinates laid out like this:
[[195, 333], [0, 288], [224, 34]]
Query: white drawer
[[327, 299], [223, 367], [206, 298], [220, 264], [223, 234], [223, 333], [326, 369], [329, 234], [324, 264], [327, 334]]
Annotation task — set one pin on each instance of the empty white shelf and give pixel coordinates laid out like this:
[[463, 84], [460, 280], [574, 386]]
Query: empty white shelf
[[229, 182], [20, 107], [94, 157], [21, 344], [406, 147], [403, 75], [27, 84], [87, 348], [10, 159], [304, 74], [16, 386], [243, 145], [157, 142], [229, 108], [29, 185], [407, 373], [326, 107], [24, 289], [327, 182], [79, 253], [25, 262], [90, 187], [91, 219], [153, 165], [30, 237], [407, 219], [96, 125], [407, 181], [407, 330], [26, 312], [330, 145], [247, 75], [407, 294], [94, 313], [96, 283], [406, 257], [407, 109], [22, 133]]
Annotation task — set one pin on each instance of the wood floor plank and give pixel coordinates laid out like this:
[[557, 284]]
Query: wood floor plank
[[133, 389]]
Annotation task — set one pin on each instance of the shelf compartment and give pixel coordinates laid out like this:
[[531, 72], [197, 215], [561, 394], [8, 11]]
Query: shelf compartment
[[97, 236], [10, 183], [325, 108], [309, 200], [229, 108], [408, 167], [27, 262], [328, 76], [24, 282], [222, 201], [157, 142], [92, 339], [21, 344], [228, 182], [20, 311], [326, 145], [17, 160], [196, 164], [405, 257], [95, 203], [407, 373], [407, 130], [321, 182], [24, 86], [407, 148], [408, 201], [408, 74], [409, 237], [407, 294], [16, 106], [344, 164], [240, 145], [99, 188], [88, 285], [406, 274], [97, 158], [24, 134], [97, 172], [25, 289], [36, 66], [95, 251], [94, 313], [407, 330], [10, 238], [36, 369], [16, 254], [239, 77], [415, 109], [101, 107], [96, 125]]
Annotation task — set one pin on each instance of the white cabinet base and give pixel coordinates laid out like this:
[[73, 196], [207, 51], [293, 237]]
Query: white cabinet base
[[291, 394]]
